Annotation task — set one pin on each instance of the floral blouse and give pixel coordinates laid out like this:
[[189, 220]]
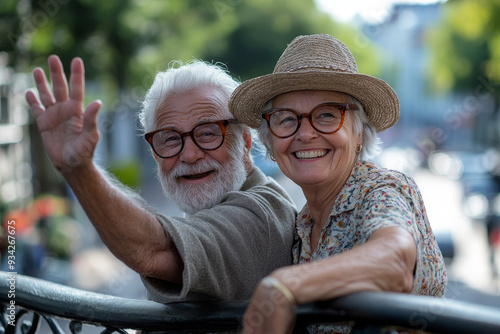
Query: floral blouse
[[375, 198]]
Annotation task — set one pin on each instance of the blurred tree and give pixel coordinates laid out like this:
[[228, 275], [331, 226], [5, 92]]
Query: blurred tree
[[124, 43], [465, 50], [248, 36], [9, 27], [466, 46], [264, 30], [95, 30]]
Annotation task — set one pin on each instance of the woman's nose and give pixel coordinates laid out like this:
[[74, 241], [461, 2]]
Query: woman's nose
[[306, 130]]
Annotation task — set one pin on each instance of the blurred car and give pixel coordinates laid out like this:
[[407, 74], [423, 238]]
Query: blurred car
[[409, 160], [476, 170]]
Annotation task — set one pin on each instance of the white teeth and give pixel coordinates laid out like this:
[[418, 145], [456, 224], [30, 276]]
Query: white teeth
[[310, 154]]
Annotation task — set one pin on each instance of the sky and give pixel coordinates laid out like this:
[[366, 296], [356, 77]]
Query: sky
[[368, 10]]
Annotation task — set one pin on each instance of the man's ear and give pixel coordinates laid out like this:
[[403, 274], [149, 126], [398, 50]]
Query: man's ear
[[247, 137], [247, 157]]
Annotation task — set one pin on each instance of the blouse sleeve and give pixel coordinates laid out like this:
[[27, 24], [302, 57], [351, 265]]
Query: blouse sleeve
[[396, 201]]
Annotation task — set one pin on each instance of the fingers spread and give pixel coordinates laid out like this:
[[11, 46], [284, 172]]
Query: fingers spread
[[43, 87], [36, 107], [77, 80], [59, 83]]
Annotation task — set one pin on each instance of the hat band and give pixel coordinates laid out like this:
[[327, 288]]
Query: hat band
[[309, 67]]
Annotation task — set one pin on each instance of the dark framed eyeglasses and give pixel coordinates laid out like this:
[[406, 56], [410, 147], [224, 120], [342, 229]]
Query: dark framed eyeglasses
[[325, 118], [167, 142]]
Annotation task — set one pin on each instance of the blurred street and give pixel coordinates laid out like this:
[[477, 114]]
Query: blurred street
[[443, 199]]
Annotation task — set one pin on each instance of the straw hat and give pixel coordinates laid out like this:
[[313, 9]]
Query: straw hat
[[316, 62]]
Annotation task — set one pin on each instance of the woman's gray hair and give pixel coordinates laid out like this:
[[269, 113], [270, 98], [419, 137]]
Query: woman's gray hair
[[181, 77], [372, 144]]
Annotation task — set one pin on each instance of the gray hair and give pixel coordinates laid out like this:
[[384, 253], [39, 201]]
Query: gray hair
[[180, 78], [372, 144]]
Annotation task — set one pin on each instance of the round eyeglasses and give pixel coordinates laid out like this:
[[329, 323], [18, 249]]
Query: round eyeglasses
[[325, 118], [167, 142]]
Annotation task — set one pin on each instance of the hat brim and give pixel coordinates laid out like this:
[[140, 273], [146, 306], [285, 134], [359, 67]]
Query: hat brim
[[379, 100]]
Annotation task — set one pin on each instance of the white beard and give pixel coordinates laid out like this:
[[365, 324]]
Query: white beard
[[229, 176]]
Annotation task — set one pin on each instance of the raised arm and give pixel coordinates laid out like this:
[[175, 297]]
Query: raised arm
[[384, 263], [70, 135]]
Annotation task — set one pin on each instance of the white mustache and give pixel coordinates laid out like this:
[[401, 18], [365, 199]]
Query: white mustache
[[229, 176], [203, 166]]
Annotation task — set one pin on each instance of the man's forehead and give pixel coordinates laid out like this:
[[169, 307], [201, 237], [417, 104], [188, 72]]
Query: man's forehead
[[187, 120], [192, 108]]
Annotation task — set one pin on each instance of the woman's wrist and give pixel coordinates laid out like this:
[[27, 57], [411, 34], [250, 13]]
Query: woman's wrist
[[273, 282]]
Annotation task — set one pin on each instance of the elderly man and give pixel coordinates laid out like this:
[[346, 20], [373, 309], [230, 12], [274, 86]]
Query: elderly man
[[239, 224]]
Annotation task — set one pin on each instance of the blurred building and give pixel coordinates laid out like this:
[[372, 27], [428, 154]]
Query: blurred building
[[428, 120], [16, 188]]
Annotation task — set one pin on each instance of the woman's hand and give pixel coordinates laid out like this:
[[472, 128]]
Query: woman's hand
[[269, 311], [69, 134]]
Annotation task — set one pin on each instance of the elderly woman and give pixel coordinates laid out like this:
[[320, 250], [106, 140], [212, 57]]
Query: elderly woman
[[363, 228]]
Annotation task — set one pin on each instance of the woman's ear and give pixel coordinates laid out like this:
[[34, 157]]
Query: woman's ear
[[360, 139]]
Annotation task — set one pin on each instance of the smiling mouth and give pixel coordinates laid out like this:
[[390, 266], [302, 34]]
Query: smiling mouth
[[310, 154], [196, 176]]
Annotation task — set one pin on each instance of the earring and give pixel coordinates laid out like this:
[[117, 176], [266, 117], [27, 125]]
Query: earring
[[359, 148], [272, 157]]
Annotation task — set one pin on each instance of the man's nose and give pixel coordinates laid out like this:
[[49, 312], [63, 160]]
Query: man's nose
[[191, 152]]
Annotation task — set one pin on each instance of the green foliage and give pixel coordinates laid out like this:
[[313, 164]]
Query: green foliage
[[9, 27], [62, 236], [466, 46], [127, 172], [265, 28], [124, 43]]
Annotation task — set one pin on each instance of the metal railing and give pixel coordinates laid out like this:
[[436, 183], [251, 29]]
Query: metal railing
[[26, 302]]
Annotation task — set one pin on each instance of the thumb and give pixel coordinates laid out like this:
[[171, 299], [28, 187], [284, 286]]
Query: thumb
[[90, 116]]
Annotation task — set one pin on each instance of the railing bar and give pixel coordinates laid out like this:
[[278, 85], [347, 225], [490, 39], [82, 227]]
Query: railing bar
[[112, 330], [366, 329], [75, 327], [12, 329], [3, 319], [54, 326], [365, 308], [35, 322]]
